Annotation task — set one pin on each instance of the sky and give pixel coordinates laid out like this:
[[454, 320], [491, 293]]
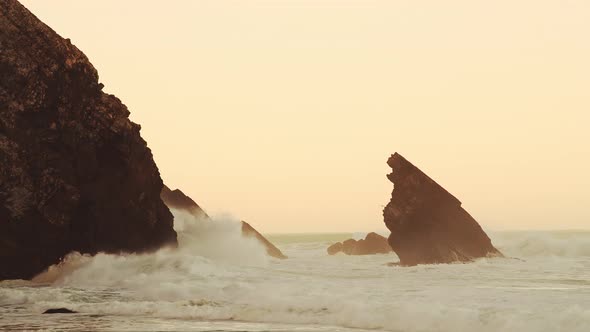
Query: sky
[[283, 113]]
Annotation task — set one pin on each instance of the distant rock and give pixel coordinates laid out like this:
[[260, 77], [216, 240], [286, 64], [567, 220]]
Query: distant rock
[[271, 249], [335, 248], [349, 246], [176, 199], [427, 223], [60, 311], [372, 244], [75, 174]]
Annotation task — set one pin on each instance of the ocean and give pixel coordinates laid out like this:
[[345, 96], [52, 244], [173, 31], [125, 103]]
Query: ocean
[[219, 281]]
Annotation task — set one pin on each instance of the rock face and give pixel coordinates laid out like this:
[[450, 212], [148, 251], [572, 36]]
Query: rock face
[[372, 244], [74, 172], [176, 199], [427, 223]]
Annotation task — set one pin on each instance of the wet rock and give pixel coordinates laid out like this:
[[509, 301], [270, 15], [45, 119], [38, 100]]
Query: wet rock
[[75, 173], [60, 311], [176, 199], [427, 223], [372, 244]]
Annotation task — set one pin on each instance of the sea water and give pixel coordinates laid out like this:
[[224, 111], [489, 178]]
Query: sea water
[[219, 281]]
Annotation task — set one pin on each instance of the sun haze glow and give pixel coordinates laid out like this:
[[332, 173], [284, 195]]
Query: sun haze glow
[[283, 113]]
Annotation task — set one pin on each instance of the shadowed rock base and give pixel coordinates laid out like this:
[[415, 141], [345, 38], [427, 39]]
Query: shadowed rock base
[[427, 223]]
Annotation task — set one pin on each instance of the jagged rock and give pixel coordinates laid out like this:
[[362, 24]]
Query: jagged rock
[[60, 311], [176, 199], [427, 223], [372, 244], [75, 173]]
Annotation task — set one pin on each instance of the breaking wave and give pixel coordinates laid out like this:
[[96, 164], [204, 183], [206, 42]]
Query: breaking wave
[[218, 275], [538, 244]]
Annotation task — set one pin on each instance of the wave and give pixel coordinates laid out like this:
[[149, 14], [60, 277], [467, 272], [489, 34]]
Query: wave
[[524, 244], [203, 245], [217, 275]]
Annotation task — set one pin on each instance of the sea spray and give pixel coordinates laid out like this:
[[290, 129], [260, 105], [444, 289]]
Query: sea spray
[[312, 291], [201, 241]]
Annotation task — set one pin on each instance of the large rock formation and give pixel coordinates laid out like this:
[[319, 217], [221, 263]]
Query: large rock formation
[[176, 199], [74, 172], [372, 244], [427, 223]]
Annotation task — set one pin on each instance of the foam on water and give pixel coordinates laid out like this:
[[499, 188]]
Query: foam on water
[[218, 279]]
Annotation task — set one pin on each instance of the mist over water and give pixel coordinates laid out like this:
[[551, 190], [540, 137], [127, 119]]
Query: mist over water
[[219, 280]]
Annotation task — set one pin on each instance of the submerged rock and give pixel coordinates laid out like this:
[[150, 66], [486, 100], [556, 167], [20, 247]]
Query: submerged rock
[[75, 173], [372, 244], [60, 311], [176, 199], [427, 223]]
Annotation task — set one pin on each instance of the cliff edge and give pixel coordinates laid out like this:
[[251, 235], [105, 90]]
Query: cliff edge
[[75, 174]]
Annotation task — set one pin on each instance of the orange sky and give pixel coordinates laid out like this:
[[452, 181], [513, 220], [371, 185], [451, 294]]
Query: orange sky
[[283, 113]]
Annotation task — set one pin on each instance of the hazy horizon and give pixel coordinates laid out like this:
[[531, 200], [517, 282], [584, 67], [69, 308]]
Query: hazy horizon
[[283, 113]]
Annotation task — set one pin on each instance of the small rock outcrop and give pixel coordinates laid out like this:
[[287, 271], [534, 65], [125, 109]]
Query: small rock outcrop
[[372, 244], [75, 174], [335, 248], [427, 223], [60, 311], [176, 199]]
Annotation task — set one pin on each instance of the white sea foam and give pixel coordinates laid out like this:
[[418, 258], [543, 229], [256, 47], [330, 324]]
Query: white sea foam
[[216, 275], [540, 244]]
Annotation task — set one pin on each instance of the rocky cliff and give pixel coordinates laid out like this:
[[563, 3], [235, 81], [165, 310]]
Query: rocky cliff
[[372, 244], [176, 199], [427, 223], [75, 173]]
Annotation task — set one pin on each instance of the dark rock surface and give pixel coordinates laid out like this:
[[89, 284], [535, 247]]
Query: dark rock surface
[[176, 199], [372, 244], [427, 223], [60, 311], [75, 173]]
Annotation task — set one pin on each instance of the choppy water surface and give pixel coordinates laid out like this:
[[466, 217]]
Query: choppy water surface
[[218, 281]]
